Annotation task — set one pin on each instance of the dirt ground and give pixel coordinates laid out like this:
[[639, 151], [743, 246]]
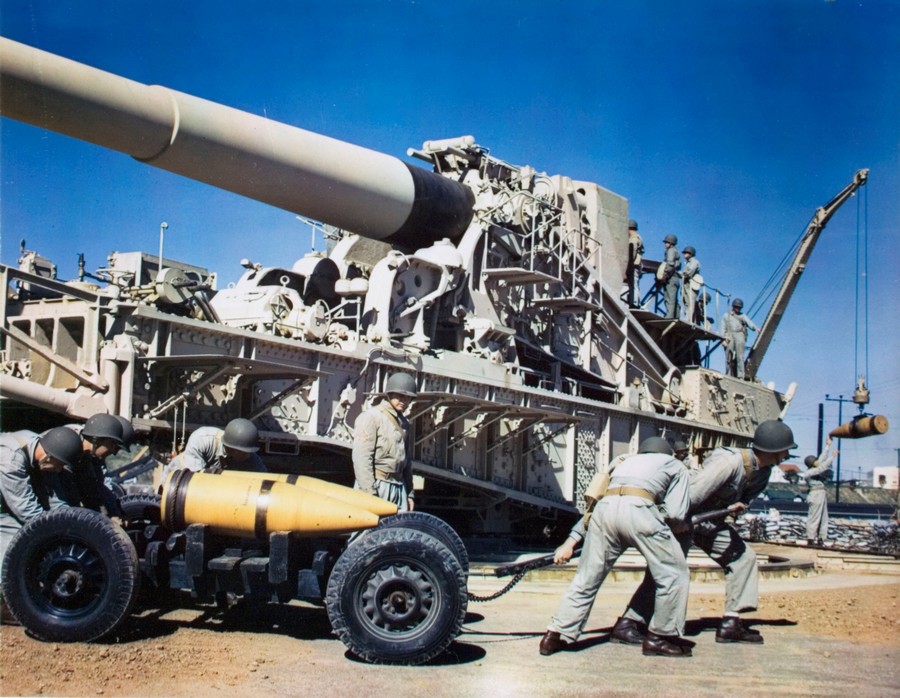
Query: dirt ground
[[200, 651]]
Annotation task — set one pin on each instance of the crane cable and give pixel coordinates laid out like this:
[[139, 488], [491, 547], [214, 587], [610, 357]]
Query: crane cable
[[773, 283], [862, 224]]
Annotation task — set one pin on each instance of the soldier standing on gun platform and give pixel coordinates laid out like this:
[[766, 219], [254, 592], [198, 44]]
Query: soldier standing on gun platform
[[690, 283], [635, 257], [669, 280], [645, 490], [817, 515], [729, 478], [380, 448], [734, 327]]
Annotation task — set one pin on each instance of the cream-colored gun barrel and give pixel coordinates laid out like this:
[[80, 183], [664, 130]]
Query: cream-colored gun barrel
[[353, 188]]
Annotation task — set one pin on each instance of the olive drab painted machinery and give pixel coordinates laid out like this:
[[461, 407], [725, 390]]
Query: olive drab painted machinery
[[496, 286]]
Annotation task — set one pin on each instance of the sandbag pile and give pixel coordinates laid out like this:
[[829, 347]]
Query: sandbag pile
[[875, 537]]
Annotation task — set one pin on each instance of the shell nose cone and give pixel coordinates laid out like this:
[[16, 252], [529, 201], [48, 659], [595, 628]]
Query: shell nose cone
[[313, 513]]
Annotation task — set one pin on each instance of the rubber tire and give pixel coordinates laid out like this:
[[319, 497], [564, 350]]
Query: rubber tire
[[141, 507], [139, 513], [382, 565], [433, 526], [60, 548]]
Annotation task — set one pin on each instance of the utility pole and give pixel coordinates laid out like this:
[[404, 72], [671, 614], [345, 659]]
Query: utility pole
[[837, 479], [821, 428]]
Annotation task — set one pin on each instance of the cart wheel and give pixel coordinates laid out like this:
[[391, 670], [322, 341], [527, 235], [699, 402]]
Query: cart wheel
[[70, 575], [397, 596], [433, 526], [141, 508]]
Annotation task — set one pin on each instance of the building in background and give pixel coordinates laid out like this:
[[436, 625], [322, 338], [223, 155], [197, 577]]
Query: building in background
[[886, 477]]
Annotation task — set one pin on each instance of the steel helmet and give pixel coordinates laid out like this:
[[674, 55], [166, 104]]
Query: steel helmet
[[737, 303], [690, 250], [402, 384], [63, 444], [128, 434], [773, 436], [103, 426], [241, 435], [632, 224], [679, 446], [810, 461], [655, 444], [671, 238]]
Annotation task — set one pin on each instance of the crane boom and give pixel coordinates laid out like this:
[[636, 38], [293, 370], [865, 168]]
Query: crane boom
[[792, 276]]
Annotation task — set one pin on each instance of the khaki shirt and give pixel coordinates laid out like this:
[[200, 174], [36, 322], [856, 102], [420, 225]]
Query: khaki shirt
[[637, 247], [24, 492], [204, 452], [815, 477], [736, 324], [673, 264], [723, 480], [379, 448], [691, 269], [661, 475]]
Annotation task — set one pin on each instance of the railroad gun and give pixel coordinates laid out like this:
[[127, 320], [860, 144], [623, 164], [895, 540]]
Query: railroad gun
[[497, 286], [394, 591]]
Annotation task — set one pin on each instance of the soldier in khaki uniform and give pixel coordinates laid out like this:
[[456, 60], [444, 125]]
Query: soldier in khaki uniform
[[817, 516], [734, 328], [27, 462], [380, 461], [645, 492], [102, 436], [635, 257], [213, 450], [691, 282], [729, 478], [670, 276]]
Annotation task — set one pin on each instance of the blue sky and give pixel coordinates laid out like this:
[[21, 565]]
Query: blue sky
[[725, 123]]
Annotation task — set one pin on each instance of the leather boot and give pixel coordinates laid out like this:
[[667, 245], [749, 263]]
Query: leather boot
[[627, 632], [731, 629], [552, 642], [661, 646]]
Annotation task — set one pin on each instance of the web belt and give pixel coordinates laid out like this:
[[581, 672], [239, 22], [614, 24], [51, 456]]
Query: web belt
[[631, 491]]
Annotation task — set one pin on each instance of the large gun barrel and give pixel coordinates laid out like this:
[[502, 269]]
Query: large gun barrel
[[353, 188]]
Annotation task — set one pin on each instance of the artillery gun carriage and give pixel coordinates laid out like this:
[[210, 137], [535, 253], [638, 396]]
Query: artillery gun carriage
[[498, 287]]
